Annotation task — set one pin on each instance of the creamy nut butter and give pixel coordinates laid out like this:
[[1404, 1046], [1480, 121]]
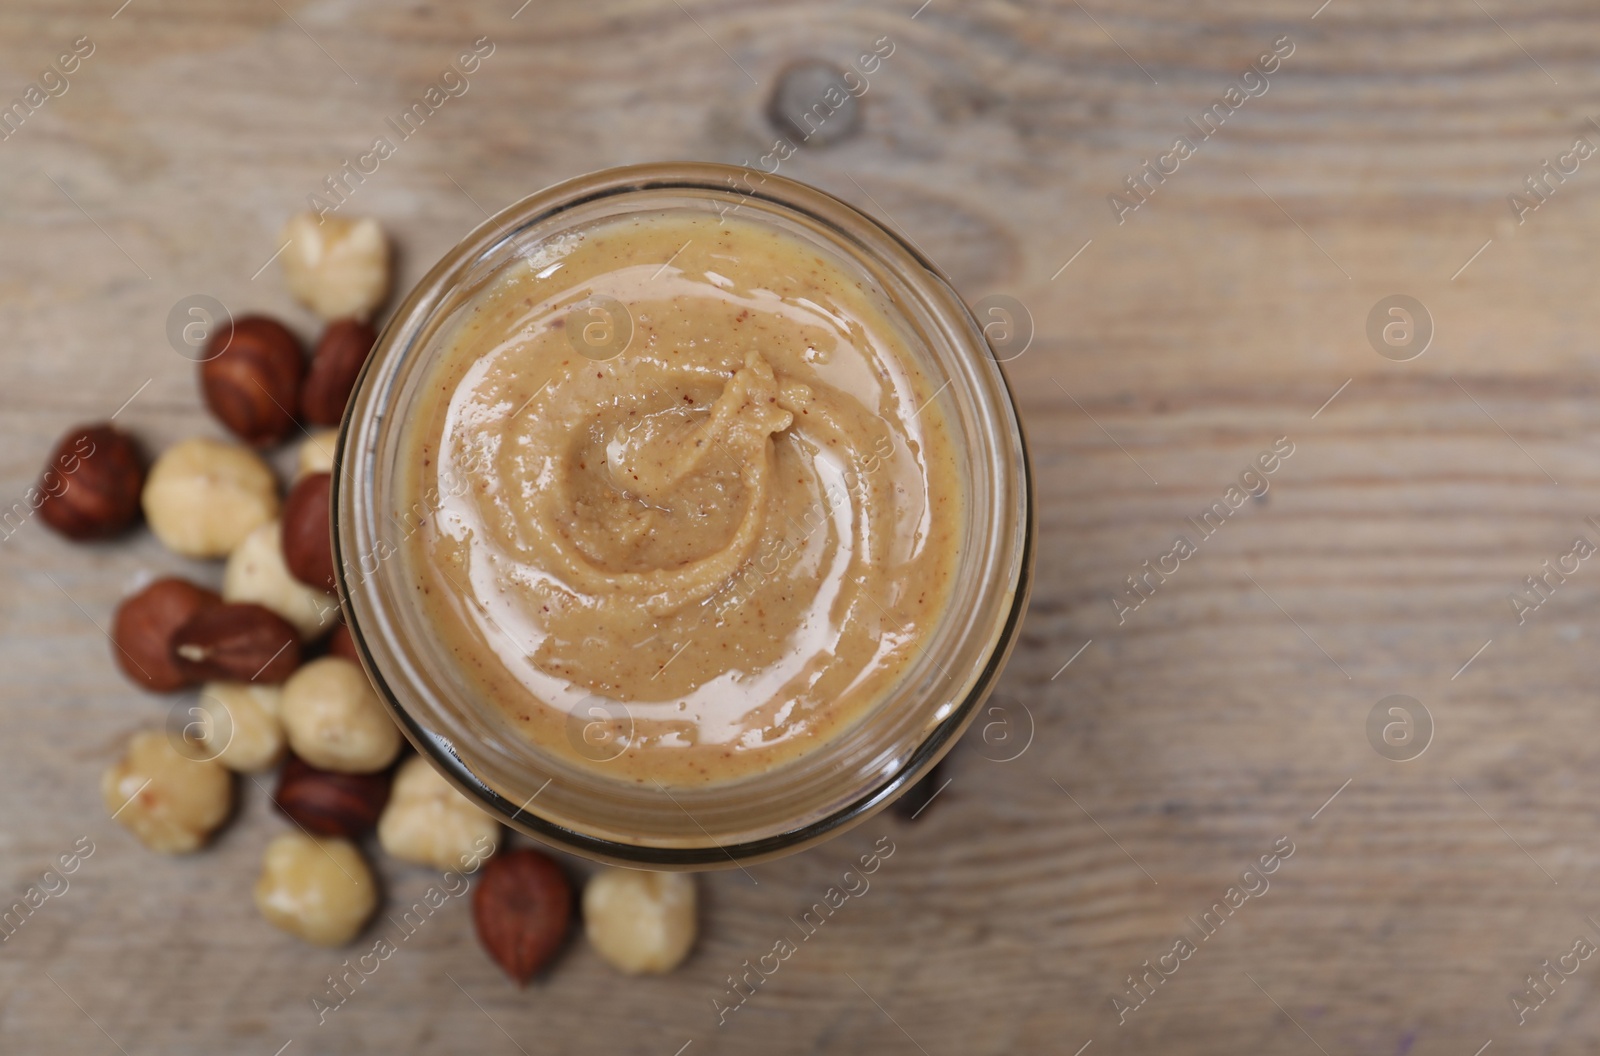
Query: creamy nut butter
[[688, 504]]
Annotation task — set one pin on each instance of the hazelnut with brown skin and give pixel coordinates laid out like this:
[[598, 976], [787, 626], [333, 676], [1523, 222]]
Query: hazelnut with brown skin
[[236, 642], [522, 909], [334, 367], [307, 532], [251, 379], [90, 487], [343, 645], [142, 631], [327, 803]]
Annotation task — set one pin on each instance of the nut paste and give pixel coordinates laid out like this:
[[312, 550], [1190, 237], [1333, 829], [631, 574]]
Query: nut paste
[[681, 501]]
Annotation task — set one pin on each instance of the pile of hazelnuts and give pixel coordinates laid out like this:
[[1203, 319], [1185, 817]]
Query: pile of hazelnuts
[[281, 687]]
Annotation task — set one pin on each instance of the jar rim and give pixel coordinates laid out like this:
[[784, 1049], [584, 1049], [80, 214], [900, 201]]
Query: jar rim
[[354, 499]]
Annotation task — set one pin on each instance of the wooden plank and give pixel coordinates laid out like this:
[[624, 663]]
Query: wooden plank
[[1219, 716]]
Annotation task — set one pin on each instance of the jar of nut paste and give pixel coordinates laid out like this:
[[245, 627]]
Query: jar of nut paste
[[683, 516]]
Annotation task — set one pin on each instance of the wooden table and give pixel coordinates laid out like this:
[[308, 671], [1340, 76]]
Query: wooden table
[[1172, 745]]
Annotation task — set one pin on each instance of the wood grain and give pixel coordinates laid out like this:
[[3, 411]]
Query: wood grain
[[1171, 753]]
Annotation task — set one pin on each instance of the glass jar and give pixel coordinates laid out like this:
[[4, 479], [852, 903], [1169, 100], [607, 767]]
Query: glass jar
[[839, 782]]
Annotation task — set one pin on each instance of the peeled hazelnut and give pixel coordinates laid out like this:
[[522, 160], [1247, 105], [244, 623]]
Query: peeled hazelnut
[[336, 266], [335, 720], [204, 496], [142, 631], [308, 532], [250, 379], [316, 889], [90, 487], [256, 572], [327, 803], [428, 822], [236, 643], [342, 644], [334, 368], [240, 728], [640, 922], [316, 453], [172, 803], [522, 909]]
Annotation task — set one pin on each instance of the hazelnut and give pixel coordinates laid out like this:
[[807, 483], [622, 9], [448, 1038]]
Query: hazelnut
[[342, 644], [236, 643], [428, 822], [250, 379], [334, 368], [308, 532], [335, 720], [317, 452], [256, 572], [326, 803], [204, 496], [90, 487], [315, 888], [336, 266], [640, 922], [522, 909], [171, 802], [241, 729], [142, 630]]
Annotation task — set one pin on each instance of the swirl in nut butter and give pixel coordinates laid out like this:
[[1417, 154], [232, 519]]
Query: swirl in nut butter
[[683, 502]]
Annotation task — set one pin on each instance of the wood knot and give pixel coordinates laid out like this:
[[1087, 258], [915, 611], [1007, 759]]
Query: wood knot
[[812, 104]]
